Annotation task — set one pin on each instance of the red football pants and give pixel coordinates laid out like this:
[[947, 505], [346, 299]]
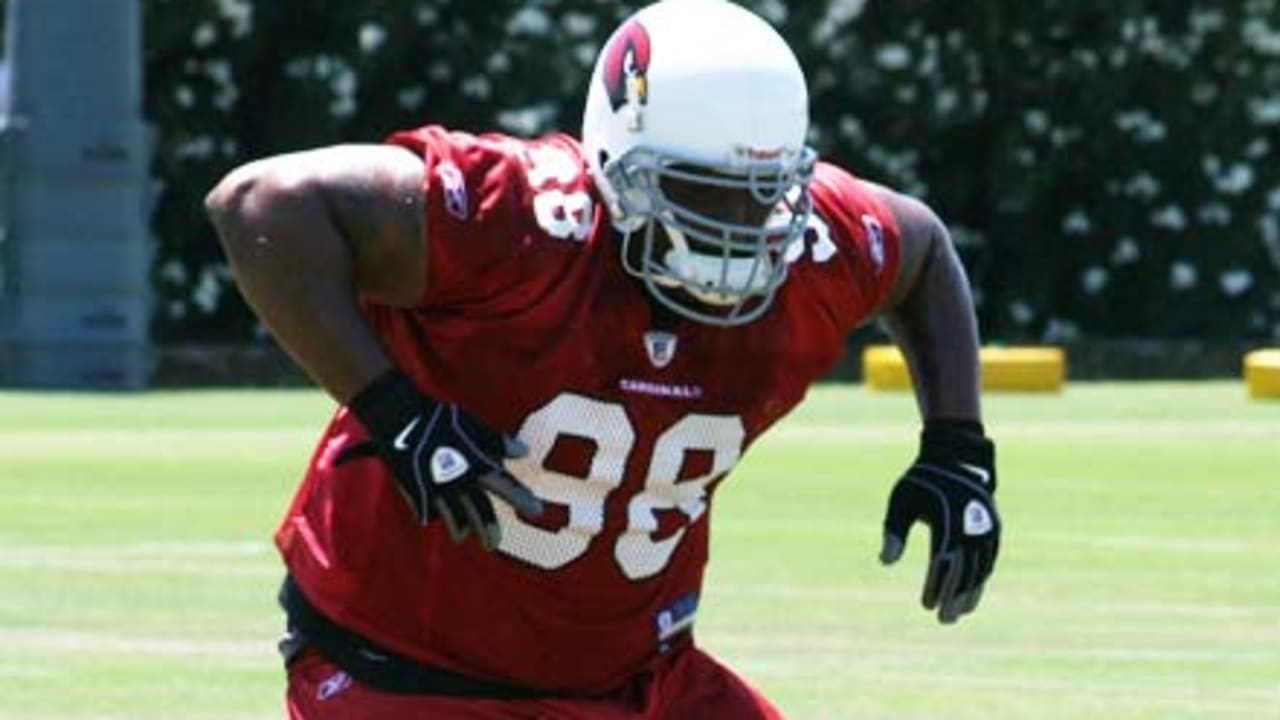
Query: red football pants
[[690, 685]]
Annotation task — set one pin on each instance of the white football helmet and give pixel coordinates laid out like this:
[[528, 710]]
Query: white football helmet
[[701, 91]]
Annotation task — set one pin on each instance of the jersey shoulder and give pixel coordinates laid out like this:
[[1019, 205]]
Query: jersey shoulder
[[501, 211], [851, 248], [853, 206]]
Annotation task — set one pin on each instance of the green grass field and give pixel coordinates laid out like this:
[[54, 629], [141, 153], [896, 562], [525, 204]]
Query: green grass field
[[1140, 576]]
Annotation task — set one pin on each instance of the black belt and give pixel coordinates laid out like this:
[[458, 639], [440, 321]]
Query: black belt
[[382, 669]]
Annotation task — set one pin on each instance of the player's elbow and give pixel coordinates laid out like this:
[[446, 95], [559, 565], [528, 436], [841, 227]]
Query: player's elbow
[[244, 193], [228, 205], [252, 199]]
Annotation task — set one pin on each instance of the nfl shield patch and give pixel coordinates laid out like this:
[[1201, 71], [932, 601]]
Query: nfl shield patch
[[661, 347]]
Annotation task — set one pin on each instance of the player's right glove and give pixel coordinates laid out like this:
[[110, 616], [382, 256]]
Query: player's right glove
[[951, 486], [445, 463]]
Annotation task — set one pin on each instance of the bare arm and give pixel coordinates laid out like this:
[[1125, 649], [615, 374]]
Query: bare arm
[[930, 315], [308, 233], [951, 484]]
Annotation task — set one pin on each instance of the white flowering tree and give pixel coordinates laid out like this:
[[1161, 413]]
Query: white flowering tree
[[1106, 165], [232, 80]]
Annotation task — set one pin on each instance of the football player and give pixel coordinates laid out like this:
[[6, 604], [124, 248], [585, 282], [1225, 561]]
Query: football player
[[549, 353]]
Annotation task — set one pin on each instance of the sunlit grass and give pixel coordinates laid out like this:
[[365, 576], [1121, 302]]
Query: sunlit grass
[[1138, 580]]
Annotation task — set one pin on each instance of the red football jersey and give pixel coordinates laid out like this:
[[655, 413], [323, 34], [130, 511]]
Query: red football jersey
[[531, 323]]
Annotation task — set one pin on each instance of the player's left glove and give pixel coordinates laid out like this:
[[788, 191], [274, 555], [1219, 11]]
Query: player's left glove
[[951, 486]]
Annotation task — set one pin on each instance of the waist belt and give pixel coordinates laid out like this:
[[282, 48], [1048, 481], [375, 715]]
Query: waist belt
[[385, 670]]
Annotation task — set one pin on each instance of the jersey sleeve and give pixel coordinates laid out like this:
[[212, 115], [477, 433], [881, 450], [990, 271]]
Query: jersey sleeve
[[488, 250], [863, 244]]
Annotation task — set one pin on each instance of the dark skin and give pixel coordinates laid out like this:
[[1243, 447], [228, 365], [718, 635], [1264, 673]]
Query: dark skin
[[929, 312], [308, 233]]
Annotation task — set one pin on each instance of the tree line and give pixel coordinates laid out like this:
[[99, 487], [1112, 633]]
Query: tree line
[[1105, 166]]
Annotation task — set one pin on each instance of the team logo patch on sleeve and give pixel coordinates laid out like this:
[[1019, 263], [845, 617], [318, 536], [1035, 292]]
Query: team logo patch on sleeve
[[454, 187], [875, 240]]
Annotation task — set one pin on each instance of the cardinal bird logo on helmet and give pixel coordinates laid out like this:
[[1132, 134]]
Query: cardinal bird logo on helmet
[[626, 67]]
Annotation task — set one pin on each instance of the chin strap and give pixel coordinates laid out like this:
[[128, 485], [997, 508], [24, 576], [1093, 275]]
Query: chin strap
[[700, 273]]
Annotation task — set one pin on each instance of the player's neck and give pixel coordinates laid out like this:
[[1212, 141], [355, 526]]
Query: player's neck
[[662, 317]]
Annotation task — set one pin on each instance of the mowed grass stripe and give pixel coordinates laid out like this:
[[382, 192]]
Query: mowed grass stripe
[[187, 443], [1137, 582], [55, 641], [1110, 431]]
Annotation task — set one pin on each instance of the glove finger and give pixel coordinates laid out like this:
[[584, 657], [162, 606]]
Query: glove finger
[[905, 507], [514, 448], [451, 512], [480, 517], [951, 580], [937, 578], [995, 550], [973, 566], [986, 560], [933, 581], [513, 492], [900, 512], [489, 445], [971, 600], [955, 606], [891, 548], [952, 610], [986, 564]]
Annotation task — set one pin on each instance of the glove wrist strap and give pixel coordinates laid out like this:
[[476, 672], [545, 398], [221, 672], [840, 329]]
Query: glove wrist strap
[[954, 425], [387, 404], [949, 440]]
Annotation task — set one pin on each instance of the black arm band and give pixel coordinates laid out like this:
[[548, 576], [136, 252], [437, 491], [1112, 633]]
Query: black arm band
[[954, 425], [387, 404], [945, 439]]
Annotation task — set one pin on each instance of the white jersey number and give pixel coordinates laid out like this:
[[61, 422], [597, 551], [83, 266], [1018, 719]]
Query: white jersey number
[[606, 427], [561, 214], [816, 239]]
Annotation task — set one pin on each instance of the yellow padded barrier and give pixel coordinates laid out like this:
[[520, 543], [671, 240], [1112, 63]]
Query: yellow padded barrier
[[1018, 369], [1262, 373], [1023, 369], [884, 368]]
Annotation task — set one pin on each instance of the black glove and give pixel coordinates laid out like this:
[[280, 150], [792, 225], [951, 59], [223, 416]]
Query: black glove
[[951, 486], [442, 459]]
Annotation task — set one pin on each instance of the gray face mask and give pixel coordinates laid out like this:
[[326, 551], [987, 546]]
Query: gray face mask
[[710, 270]]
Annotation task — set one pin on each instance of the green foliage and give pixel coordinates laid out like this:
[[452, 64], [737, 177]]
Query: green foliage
[[1105, 166], [232, 80]]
